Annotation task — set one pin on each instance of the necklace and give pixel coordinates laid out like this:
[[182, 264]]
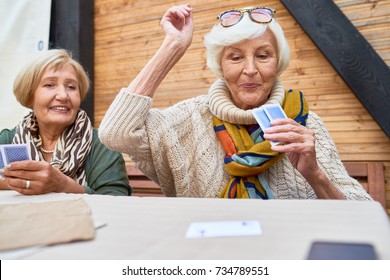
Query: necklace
[[46, 151]]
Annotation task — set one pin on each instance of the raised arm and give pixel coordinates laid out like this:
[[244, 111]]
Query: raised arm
[[178, 27], [123, 127]]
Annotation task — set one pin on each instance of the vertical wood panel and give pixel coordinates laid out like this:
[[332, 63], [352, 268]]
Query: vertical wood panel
[[349, 52]]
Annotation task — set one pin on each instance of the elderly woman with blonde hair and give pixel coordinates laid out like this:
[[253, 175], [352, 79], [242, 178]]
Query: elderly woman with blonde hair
[[67, 155], [211, 145]]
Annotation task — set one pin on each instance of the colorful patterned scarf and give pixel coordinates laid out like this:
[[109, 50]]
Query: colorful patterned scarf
[[248, 154], [71, 150]]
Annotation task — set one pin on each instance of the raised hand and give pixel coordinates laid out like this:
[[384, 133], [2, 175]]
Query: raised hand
[[178, 25]]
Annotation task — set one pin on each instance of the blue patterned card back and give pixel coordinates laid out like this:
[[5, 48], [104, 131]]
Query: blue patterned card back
[[274, 111], [261, 118], [16, 153], [1, 160]]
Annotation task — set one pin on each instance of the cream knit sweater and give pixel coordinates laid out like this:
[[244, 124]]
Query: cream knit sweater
[[178, 149]]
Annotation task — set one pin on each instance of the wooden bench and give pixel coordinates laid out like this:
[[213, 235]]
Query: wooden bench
[[369, 174], [141, 184]]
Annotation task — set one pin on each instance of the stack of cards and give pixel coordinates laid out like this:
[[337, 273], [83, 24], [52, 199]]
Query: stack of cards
[[14, 152], [267, 113]]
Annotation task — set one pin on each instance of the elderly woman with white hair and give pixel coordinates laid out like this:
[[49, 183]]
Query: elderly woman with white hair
[[211, 145]]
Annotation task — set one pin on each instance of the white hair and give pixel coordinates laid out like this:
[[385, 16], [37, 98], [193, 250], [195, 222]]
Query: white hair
[[220, 37]]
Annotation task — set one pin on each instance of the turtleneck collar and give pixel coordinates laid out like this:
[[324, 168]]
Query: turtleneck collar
[[223, 108]]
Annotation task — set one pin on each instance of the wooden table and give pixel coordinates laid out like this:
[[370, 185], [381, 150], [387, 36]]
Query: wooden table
[[155, 228]]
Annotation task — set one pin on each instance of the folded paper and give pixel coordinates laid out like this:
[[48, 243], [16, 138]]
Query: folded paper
[[46, 223]]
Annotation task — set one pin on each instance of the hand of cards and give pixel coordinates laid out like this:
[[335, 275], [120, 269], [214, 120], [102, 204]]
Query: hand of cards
[[267, 113], [14, 152]]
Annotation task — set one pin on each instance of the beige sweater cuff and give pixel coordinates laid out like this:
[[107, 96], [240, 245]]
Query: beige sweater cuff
[[126, 114]]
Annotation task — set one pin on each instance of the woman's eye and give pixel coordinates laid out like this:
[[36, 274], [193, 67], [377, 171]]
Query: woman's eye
[[72, 87], [48, 85], [262, 56], [235, 57]]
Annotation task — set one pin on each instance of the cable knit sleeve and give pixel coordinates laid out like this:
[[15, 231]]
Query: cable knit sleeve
[[329, 160], [164, 144], [123, 126]]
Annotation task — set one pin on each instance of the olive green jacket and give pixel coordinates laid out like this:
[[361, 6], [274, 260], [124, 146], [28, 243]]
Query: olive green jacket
[[105, 169]]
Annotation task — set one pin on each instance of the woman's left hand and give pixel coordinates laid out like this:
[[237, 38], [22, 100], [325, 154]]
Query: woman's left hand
[[31, 177], [298, 143]]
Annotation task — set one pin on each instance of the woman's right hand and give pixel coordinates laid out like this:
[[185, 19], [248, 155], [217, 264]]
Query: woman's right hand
[[178, 25], [30, 177]]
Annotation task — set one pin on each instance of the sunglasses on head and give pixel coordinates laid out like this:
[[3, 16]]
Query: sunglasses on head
[[258, 15]]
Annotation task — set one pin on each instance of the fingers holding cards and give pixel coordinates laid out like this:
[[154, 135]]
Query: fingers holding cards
[[266, 114], [11, 153]]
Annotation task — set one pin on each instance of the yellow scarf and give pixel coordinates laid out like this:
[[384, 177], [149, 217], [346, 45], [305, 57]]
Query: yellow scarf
[[248, 154]]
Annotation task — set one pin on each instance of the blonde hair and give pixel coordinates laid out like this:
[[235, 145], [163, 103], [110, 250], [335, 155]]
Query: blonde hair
[[220, 37], [28, 78]]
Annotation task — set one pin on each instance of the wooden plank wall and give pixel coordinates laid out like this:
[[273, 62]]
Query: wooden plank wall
[[127, 33]]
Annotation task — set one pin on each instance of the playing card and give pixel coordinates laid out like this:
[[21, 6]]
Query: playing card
[[274, 111], [261, 118], [223, 229], [14, 152], [1, 160], [266, 113]]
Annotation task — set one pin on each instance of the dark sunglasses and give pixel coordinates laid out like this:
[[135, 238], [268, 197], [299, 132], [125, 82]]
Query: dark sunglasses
[[258, 15]]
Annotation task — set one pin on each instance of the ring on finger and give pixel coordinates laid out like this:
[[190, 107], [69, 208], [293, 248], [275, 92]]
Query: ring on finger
[[28, 183]]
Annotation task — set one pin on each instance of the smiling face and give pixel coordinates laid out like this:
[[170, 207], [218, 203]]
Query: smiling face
[[56, 100], [249, 69]]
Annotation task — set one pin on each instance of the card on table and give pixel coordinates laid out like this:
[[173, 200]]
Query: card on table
[[14, 152], [267, 113], [223, 229]]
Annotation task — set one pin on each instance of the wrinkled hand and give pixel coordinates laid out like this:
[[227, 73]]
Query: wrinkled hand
[[42, 176], [298, 143], [177, 24]]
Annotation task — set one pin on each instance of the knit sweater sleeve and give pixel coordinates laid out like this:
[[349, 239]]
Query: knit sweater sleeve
[[123, 126], [330, 162], [152, 138]]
